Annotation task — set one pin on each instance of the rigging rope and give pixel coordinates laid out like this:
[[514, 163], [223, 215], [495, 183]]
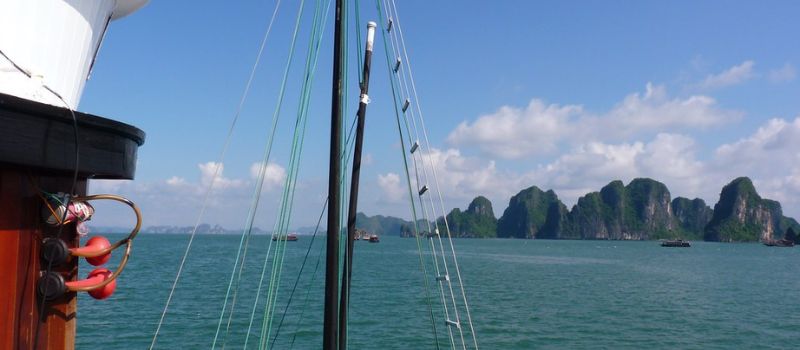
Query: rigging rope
[[400, 77], [436, 181], [408, 178], [275, 279], [400, 87], [289, 187], [320, 21], [419, 185], [264, 162], [422, 159], [319, 254], [300, 273], [216, 173]]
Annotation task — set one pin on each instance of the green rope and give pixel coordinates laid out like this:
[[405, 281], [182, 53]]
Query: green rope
[[408, 177], [289, 190], [265, 160], [258, 291], [308, 289], [238, 282]]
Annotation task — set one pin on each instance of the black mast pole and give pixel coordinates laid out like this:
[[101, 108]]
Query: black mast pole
[[330, 328], [351, 214]]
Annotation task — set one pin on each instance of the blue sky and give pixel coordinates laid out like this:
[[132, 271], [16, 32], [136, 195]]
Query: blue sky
[[567, 95]]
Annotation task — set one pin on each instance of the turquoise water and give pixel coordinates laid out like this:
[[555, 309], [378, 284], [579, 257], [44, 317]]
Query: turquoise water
[[524, 294]]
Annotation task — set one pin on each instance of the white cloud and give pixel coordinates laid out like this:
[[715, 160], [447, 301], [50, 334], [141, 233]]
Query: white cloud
[[587, 167], [668, 158], [732, 76], [177, 201], [774, 146], [595, 160], [366, 159], [459, 178], [671, 156], [655, 110], [106, 186], [213, 171], [783, 74], [513, 133], [176, 181], [462, 177], [767, 156], [274, 174], [770, 157], [393, 191]]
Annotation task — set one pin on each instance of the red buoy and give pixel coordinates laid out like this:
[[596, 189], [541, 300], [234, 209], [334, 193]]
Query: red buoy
[[105, 291], [108, 289], [95, 277], [93, 245]]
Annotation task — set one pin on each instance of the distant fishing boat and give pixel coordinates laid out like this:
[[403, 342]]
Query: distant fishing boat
[[675, 243], [779, 243], [291, 237], [361, 235], [374, 239]]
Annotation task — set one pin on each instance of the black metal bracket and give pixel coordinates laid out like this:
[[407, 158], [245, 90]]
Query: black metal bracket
[[54, 252], [51, 286]]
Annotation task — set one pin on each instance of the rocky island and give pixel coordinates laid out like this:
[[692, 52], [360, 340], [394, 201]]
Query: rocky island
[[641, 210]]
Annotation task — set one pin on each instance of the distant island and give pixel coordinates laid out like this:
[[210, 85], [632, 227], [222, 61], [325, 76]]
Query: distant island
[[204, 229], [640, 210]]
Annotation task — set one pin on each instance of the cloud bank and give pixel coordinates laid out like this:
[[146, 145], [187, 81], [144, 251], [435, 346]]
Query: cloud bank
[[540, 128]]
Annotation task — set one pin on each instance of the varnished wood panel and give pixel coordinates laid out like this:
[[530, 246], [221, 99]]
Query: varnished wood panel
[[21, 232]]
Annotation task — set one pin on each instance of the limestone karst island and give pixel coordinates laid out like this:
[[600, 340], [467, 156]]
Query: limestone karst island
[[641, 210]]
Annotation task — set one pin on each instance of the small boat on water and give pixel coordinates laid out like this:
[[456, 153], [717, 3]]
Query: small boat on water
[[779, 243], [675, 243], [374, 239], [290, 237]]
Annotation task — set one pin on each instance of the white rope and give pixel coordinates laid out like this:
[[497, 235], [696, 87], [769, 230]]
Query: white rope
[[433, 168], [432, 243], [404, 86], [216, 174]]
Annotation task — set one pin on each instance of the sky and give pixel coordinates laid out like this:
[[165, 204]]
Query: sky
[[562, 95]]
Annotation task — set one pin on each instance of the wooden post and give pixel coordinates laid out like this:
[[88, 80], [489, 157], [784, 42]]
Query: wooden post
[[22, 229]]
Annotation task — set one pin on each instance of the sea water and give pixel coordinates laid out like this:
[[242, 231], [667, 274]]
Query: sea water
[[523, 294]]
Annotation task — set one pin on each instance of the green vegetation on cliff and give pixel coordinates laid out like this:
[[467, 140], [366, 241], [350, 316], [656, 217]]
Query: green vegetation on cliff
[[640, 210], [692, 215], [527, 214], [741, 215], [381, 225], [477, 221]]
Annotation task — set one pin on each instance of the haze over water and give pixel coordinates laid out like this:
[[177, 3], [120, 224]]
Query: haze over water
[[523, 294]]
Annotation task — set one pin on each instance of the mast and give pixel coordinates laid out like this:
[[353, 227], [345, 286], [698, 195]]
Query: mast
[[353, 209], [330, 328]]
